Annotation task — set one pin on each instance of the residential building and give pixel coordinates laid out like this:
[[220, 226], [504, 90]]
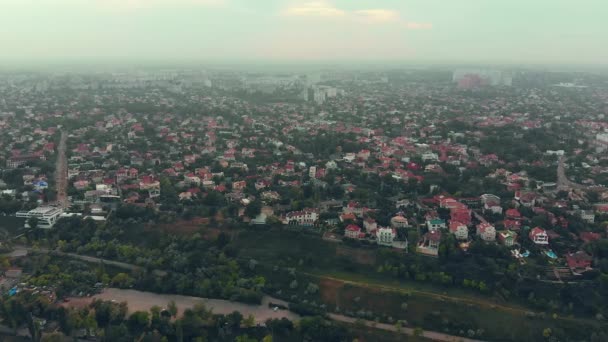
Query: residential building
[[507, 237], [435, 224], [539, 236], [486, 232], [385, 236], [459, 229], [353, 231]]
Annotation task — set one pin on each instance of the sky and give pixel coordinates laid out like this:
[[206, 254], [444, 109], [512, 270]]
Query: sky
[[435, 31]]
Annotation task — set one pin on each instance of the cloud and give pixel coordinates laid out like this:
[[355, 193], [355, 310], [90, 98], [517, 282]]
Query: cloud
[[314, 8], [131, 5], [324, 8], [377, 15], [412, 25]]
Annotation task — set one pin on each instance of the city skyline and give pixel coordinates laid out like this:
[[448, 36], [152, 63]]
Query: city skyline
[[514, 32]]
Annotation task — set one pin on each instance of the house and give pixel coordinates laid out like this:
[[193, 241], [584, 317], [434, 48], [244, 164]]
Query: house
[[459, 229], [513, 214], [486, 232], [353, 231], [385, 236], [507, 237], [306, 217], [238, 186], [13, 273], [347, 217], [353, 207], [429, 244], [261, 219], [539, 236], [435, 224], [185, 196], [512, 224], [461, 214], [579, 262], [589, 236], [369, 224], [399, 221], [587, 215], [148, 183]]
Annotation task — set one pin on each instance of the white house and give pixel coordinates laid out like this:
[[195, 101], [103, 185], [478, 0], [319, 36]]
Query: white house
[[459, 229], [486, 231], [385, 236], [306, 217], [539, 236], [369, 224]]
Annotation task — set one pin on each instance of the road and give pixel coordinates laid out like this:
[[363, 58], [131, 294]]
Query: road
[[563, 183], [87, 258], [432, 335], [61, 172]]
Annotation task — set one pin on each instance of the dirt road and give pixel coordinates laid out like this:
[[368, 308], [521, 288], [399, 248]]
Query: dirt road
[[61, 172], [432, 335]]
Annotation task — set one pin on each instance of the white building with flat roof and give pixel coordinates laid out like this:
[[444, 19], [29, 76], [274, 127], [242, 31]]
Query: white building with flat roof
[[47, 216]]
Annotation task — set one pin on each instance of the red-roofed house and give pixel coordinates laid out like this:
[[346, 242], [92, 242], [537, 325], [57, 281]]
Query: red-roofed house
[[579, 262], [353, 231], [486, 231], [589, 236], [539, 236], [461, 214], [513, 214]]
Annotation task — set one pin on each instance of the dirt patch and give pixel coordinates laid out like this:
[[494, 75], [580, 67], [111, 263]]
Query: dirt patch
[[330, 291], [358, 255], [182, 226], [144, 301], [78, 302]]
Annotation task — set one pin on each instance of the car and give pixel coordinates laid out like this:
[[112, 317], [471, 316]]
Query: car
[[276, 308]]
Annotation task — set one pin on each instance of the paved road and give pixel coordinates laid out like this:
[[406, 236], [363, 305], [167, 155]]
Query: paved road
[[61, 172], [432, 335], [564, 183]]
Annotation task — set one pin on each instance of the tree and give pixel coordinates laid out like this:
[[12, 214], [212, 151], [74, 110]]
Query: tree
[[32, 222], [418, 331], [249, 321], [138, 322], [172, 308], [253, 209]]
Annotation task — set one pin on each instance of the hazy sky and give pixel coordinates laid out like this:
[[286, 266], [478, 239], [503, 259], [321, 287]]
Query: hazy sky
[[502, 31]]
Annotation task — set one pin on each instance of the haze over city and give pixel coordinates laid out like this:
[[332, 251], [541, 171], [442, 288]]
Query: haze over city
[[431, 31]]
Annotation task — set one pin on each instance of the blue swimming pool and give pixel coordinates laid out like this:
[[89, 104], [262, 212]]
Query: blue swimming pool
[[551, 254]]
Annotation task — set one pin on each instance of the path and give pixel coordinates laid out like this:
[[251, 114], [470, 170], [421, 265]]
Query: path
[[464, 300], [432, 335], [61, 172], [87, 258]]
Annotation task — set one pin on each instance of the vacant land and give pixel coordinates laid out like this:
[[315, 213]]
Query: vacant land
[[358, 255], [140, 300]]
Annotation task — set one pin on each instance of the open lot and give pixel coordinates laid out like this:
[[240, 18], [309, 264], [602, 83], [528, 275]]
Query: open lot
[[140, 300]]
